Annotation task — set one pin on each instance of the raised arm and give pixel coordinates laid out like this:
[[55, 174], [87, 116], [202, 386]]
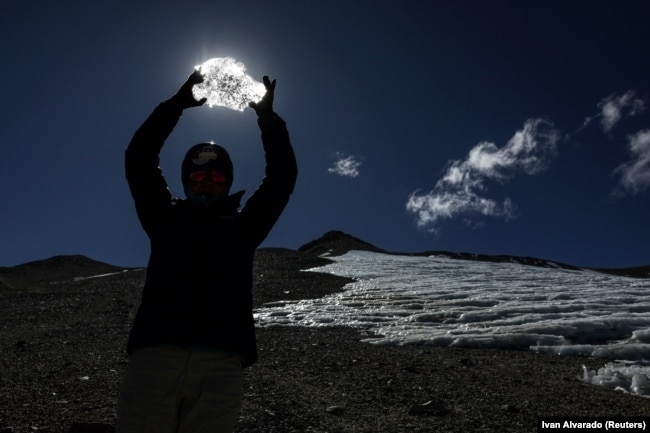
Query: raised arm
[[266, 204], [142, 157]]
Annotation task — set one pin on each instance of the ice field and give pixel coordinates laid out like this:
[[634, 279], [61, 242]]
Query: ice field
[[446, 302]]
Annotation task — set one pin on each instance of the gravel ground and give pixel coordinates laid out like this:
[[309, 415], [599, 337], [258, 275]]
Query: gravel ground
[[62, 359]]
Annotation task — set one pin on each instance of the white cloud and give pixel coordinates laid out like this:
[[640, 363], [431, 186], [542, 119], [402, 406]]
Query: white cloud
[[346, 166], [439, 205], [615, 107], [635, 174], [462, 190]]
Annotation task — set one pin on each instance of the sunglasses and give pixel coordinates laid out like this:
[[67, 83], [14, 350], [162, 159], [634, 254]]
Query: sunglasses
[[201, 175]]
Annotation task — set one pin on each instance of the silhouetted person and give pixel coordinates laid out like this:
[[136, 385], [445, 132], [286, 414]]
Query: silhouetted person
[[194, 332]]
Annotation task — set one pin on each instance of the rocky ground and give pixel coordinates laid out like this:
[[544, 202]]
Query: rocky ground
[[62, 360]]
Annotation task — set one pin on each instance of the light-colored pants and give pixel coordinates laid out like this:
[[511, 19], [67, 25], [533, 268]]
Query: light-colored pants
[[175, 390]]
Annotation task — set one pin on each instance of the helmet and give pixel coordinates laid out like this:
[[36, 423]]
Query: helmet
[[207, 155]]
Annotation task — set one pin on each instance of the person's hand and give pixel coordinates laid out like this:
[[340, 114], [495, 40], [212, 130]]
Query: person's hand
[[184, 96], [265, 106]]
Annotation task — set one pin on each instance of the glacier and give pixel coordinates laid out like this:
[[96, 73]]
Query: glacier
[[440, 301]]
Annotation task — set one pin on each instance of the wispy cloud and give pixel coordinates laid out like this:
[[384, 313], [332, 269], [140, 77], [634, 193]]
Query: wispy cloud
[[462, 190], [615, 107], [634, 175], [346, 166]]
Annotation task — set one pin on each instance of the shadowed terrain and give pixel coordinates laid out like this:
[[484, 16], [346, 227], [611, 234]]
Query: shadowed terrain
[[64, 323]]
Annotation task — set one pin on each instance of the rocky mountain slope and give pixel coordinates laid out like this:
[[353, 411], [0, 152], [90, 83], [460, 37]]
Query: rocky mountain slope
[[38, 275], [64, 323]]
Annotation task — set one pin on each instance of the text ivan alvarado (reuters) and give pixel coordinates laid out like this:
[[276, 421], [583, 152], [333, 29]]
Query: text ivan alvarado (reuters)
[[593, 424]]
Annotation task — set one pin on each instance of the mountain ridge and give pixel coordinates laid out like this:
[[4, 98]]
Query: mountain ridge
[[35, 274], [336, 243]]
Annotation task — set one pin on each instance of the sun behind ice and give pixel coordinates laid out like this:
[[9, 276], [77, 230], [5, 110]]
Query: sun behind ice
[[226, 84]]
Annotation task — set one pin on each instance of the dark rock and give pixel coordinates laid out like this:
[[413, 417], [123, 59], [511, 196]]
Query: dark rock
[[92, 427], [7, 430], [335, 410], [432, 407], [510, 408]]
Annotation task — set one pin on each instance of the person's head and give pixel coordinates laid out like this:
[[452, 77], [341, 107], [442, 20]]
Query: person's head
[[206, 173]]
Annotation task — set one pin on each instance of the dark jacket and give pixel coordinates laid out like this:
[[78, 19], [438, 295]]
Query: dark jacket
[[198, 290]]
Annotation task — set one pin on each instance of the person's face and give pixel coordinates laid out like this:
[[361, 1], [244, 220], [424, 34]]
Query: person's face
[[208, 181]]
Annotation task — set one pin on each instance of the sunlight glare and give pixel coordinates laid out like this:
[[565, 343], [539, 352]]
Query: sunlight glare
[[227, 85]]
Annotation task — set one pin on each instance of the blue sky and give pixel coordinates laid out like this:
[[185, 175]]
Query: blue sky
[[494, 127]]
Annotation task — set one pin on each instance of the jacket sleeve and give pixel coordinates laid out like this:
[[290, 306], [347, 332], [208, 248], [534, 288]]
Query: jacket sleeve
[[142, 158], [265, 205]]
